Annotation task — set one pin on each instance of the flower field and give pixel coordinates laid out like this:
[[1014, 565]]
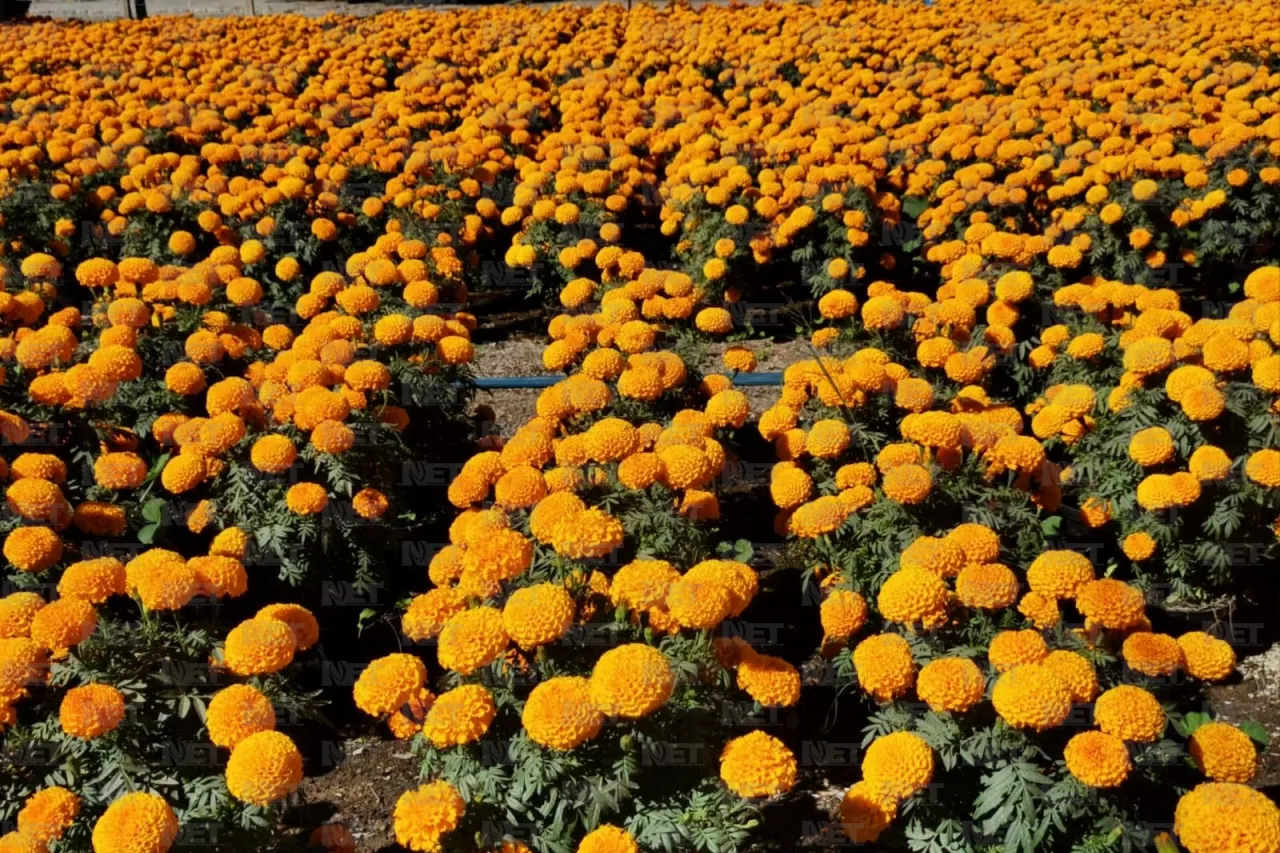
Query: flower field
[[964, 579]]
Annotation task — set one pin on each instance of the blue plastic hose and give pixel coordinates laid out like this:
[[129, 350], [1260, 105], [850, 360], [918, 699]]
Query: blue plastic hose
[[494, 383]]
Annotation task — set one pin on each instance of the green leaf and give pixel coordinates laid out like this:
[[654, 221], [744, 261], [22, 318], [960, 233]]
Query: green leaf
[[153, 510], [1255, 731], [362, 621], [157, 468], [1191, 721], [147, 535], [1051, 525]]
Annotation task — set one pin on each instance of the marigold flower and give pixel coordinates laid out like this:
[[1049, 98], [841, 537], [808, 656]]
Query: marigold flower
[[306, 498], [843, 613], [1207, 658], [907, 484], [472, 639], [558, 713], [140, 822], [1152, 654], [389, 682], [866, 811], [951, 684], [643, 584], [1059, 574], [1031, 696], [427, 614], [884, 666], [591, 533], [1225, 817], [219, 577], [1223, 753], [757, 765], [459, 716], [989, 586], [1114, 604], [1097, 759], [48, 813], [259, 646], [1151, 446], [273, 454], [424, 816], [32, 549], [913, 595], [306, 630], [1076, 672], [608, 839], [264, 767], [91, 711], [1009, 649], [62, 624], [537, 615], [769, 680], [237, 711], [1130, 713], [631, 681]]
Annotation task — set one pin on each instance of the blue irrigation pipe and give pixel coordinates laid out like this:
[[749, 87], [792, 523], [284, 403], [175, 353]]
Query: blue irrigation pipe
[[494, 383]]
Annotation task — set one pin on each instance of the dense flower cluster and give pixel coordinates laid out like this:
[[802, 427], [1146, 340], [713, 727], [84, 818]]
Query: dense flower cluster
[[1036, 411]]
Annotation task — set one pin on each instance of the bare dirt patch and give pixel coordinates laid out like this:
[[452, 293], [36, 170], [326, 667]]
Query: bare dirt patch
[[361, 791]]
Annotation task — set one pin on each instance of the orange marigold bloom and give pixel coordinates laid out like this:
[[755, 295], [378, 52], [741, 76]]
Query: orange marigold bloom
[[48, 813], [901, 762], [459, 716], [306, 498], [388, 683], [472, 639], [273, 454], [370, 504], [757, 765], [62, 624], [1059, 574], [1225, 817], [1130, 713], [1206, 657], [884, 666], [951, 684], [237, 711], [91, 711], [1223, 753], [306, 630], [1097, 759], [1009, 649], [1152, 654], [769, 680], [32, 549], [907, 484], [589, 534], [866, 811], [140, 822], [608, 839], [1031, 696], [259, 646], [913, 595], [427, 614], [843, 613], [1114, 604], [536, 615], [1076, 672], [643, 584], [631, 681], [558, 713], [264, 767], [990, 586], [423, 817]]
